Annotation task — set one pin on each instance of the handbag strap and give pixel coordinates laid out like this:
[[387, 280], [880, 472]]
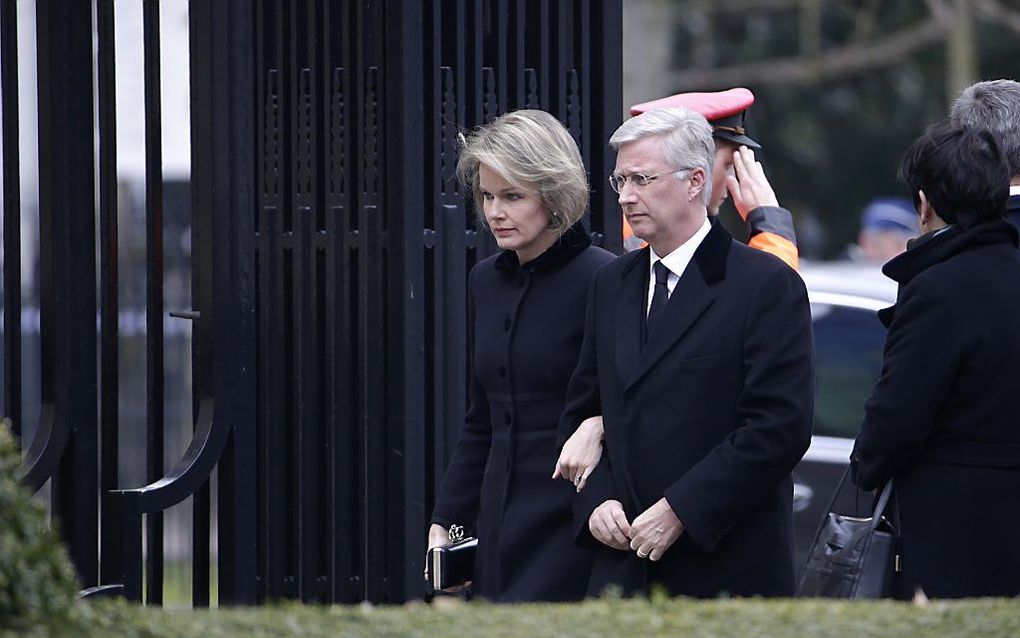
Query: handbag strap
[[883, 502], [880, 505]]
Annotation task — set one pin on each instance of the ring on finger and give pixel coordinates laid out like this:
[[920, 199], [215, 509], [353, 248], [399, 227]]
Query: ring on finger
[[640, 555]]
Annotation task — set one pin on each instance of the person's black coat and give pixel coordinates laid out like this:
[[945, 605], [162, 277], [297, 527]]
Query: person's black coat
[[943, 418], [526, 328], [713, 413], [1013, 210]]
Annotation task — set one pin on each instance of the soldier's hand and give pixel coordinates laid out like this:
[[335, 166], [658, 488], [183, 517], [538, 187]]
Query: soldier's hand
[[750, 188]]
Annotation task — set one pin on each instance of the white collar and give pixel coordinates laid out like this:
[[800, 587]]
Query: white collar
[[680, 256], [1014, 190]]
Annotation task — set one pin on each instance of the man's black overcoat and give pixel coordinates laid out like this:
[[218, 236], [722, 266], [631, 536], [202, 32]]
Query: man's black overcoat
[[943, 418], [713, 412]]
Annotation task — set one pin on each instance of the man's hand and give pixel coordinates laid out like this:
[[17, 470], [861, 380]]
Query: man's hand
[[608, 524], [581, 453], [750, 188], [655, 530]]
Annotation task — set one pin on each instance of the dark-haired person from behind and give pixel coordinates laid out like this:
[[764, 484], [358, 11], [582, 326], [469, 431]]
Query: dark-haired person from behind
[[942, 421]]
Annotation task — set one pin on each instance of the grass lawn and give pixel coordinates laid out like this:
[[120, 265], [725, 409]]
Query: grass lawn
[[598, 618]]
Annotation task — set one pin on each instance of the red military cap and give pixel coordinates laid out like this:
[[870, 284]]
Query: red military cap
[[724, 110]]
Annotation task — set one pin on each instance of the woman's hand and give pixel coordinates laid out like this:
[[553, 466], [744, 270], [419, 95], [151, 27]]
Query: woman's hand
[[581, 453], [439, 536]]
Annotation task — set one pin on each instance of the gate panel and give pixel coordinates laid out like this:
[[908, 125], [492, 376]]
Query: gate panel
[[330, 248]]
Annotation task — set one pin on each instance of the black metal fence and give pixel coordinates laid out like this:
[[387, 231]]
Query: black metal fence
[[330, 251]]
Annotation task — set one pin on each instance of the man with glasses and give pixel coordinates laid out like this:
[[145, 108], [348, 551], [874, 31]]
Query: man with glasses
[[697, 352], [770, 227]]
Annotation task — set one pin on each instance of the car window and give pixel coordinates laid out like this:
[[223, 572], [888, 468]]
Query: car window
[[848, 346]]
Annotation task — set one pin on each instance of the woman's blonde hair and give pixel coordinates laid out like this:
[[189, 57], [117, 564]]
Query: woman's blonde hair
[[533, 151]]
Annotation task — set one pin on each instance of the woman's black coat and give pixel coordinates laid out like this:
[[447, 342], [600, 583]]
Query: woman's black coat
[[944, 420], [526, 329]]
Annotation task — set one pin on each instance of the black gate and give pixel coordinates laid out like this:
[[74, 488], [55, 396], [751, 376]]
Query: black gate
[[330, 250]]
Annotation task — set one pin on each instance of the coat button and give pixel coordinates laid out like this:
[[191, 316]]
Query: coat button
[[506, 324], [502, 372]]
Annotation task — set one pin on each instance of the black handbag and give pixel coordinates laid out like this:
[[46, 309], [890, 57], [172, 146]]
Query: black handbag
[[452, 565], [853, 557]]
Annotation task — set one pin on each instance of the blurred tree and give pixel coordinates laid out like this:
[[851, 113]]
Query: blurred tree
[[842, 86]]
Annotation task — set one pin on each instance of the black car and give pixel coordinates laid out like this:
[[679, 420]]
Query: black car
[[848, 344]]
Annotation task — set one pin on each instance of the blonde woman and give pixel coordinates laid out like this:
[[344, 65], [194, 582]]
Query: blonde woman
[[526, 319]]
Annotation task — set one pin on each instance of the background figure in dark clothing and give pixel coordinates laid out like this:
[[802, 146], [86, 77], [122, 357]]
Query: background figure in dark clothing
[[942, 418], [526, 319], [994, 106]]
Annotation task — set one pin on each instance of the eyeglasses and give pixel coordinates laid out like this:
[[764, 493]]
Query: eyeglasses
[[638, 180]]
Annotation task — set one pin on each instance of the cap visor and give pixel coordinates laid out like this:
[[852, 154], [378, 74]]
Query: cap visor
[[736, 139]]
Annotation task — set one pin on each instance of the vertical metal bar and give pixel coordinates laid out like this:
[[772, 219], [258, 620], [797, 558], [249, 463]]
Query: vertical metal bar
[[582, 65], [67, 226], [235, 291], [276, 307], [306, 417], [544, 64], [200, 42], [154, 373], [269, 181], [12, 215], [405, 143], [501, 58], [605, 115], [517, 53], [332, 108], [434, 405], [128, 534], [343, 550], [562, 19], [108, 339], [371, 357]]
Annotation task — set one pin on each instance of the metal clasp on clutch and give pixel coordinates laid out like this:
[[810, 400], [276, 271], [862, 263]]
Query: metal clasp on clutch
[[456, 533]]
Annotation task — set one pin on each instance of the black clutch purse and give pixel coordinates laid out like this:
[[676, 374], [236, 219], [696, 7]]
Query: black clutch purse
[[452, 565], [853, 557]]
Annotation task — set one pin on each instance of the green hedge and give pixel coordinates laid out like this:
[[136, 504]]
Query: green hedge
[[37, 582], [631, 618]]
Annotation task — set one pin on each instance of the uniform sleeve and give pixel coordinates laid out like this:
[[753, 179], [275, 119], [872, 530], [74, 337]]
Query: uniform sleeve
[[770, 228], [775, 409], [460, 490], [923, 351]]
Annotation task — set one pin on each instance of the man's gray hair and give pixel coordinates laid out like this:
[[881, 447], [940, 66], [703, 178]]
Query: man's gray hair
[[993, 106], [686, 139]]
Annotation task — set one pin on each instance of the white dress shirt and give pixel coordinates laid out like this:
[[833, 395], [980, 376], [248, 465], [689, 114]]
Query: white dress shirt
[[1014, 190], [675, 261]]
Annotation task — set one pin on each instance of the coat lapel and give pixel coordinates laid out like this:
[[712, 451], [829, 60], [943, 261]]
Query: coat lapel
[[690, 299], [630, 314]]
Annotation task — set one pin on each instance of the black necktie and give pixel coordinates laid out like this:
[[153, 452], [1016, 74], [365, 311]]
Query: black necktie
[[659, 297]]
